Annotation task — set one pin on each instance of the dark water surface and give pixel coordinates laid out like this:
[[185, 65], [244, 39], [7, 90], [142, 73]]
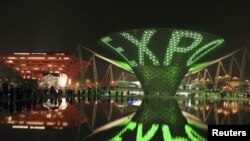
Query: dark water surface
[[75, 119]]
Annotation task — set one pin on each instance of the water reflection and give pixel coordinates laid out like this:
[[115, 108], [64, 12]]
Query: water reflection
[[218, 111], [46, 115], [92, 113]]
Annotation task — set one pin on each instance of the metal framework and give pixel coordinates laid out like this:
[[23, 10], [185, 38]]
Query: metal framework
[[225, 72]]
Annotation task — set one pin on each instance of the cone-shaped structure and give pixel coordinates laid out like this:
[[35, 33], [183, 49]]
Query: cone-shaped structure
[[160, 58]]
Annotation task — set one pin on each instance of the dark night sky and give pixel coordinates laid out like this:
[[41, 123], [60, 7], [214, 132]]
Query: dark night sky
[[44, 26]]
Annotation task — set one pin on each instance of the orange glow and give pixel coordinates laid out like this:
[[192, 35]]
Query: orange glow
[[219, 110], [34, 123], [36, 64], [36, 58], [12, 58], [51, 58], [65, 124], [50, 123], [234, 110], [9, 61], [69, 81], [60, 54]]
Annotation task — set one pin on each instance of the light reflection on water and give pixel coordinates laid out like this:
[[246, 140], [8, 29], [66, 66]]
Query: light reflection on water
[[218, 111], [95, 114]]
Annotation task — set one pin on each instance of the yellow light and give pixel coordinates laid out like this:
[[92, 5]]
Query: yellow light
[[235, 78], [11, 122], [9, 61], [69, 81], [12, 58], [21, 122], [22, 58], [226, 112], [9, 118], [65, 124], [22, 53], [20, 127], [38, 53], [66, 58], [219, 110], [60, 54], [51, 58], [50, 123], [207, 107], [37, 127], [36, 58], [63, 80], [34, 123]]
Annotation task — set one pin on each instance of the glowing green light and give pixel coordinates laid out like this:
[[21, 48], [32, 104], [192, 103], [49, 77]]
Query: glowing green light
[[168, 137], [194, 57], [191, 133], [119, 50], [143, 46], [173, 46], [131, 126], [148, 135], [194, 136]]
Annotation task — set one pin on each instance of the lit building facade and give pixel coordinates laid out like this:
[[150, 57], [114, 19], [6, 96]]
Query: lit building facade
[[36, 65]]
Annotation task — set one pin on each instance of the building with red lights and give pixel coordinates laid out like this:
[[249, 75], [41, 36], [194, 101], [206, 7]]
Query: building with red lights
[[37, 65]]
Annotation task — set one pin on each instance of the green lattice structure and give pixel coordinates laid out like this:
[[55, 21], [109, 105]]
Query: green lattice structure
[[160, 58]]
